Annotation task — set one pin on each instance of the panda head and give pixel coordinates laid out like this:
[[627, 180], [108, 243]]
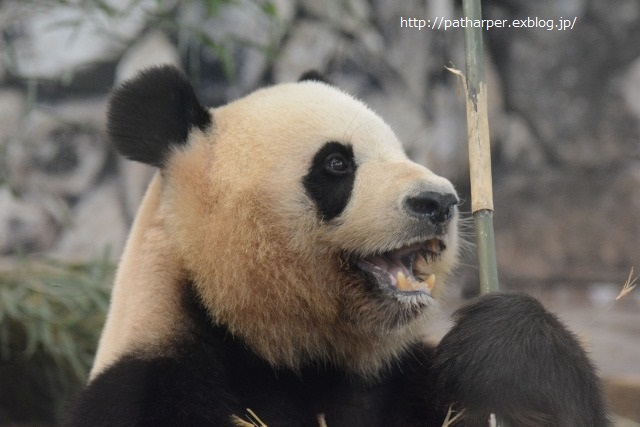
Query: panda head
[[296, 214]]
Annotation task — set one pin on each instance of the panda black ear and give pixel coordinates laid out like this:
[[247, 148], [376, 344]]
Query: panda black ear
[[153, 111], [313, 75]]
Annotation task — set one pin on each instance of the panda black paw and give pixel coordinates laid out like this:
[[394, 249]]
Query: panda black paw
[[507, 355]]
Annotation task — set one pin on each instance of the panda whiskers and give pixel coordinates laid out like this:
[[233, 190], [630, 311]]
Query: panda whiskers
[[466, 233], [353, 132], [346, 129]]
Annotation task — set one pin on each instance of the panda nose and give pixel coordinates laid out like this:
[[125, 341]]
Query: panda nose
[[436, 207]]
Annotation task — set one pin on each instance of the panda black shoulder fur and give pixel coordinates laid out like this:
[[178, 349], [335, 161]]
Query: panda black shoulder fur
[[285, 259]]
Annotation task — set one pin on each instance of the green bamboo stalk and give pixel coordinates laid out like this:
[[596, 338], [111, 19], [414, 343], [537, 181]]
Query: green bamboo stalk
[[480, 155], [479, 150]]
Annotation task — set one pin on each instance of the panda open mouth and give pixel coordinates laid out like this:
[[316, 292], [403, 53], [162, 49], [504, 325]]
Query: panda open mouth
[[405, 270]]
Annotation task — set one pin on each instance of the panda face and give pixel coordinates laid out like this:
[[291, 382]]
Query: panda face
[[395, 236], [304, 227]]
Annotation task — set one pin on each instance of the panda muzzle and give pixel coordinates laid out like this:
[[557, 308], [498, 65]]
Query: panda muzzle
[[404, 270]]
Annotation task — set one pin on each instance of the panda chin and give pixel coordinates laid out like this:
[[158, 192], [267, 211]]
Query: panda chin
[[403, 273]]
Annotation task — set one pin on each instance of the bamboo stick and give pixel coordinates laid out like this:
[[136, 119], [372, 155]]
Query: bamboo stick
[[479, 150], [480, 157]]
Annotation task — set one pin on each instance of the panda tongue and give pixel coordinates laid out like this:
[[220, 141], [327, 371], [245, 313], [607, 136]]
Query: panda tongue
[[398, 265], [391, 263]]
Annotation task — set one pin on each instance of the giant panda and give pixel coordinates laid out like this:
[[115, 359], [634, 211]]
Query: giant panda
[[284, 263]]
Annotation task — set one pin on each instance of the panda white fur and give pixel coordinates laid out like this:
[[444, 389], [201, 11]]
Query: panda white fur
[[285, 259]]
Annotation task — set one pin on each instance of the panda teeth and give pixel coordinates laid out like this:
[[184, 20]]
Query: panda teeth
[[420, 264], [403, 283], [431, 282], [408, 284]]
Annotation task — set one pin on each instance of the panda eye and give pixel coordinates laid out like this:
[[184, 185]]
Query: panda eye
[[337, 164]]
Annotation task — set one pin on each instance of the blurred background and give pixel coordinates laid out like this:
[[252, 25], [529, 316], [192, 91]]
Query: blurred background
[[565, 128]]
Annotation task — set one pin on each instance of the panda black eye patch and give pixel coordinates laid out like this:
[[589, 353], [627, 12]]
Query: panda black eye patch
[[330, 179]]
